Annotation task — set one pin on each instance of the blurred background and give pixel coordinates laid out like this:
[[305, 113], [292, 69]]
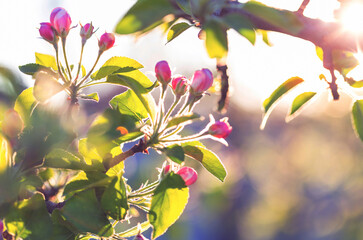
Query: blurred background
[[301, 180]]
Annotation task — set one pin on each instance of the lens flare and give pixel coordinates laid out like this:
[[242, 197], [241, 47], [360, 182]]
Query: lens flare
[[352, 17]]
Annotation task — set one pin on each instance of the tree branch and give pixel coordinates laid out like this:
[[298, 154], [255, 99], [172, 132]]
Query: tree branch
[[323, 34]]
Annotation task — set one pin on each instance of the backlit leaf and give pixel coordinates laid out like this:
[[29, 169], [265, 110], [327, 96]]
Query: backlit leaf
[[168, 203], [175, 153], [216, 39], [46, 60], [299, 103], [25, 104], [357, 118], [207, 158], [91, 96], [176, 30], [274, 98], [242, 25]]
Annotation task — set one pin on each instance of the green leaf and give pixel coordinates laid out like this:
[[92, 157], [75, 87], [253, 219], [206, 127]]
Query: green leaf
[[207, 158], [216, 39], [139, 83], [168, 203], [143, 14], [116, 65], [357, 118], [135, 230], [24, 104], [59, 158], [46, 174], [128, 103], [30, 68], [29, 219], [353, 83], [84, 212], [61, 228], [185, 6], [343, 61], [284, 20], [298, 104], [46, 60], [184, 120], [274, 98], [175, 153], [176, 30], [114, 199], [86, 180], [91, 96], [242, 25]]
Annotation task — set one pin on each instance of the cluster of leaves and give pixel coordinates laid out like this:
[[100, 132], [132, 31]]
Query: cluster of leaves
[[215, 18], [56, 186]]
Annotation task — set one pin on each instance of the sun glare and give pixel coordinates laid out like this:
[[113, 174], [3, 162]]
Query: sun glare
[[352, 17]]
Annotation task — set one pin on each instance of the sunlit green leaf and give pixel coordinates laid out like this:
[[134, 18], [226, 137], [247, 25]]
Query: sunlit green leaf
[[242, 25], [343, 61], [216, 39], [84, 212], [139, 83], [284, 20], [299, 103], [143, 14], [274, 98], [46, 60], [61, 228], [168, 203], [114, 199], [91, 96], [357, 118], [176, 30], [207, 158], [128, 103], [29, 219], [59, 158], [175, 153], [116, 65], [25, 104], [353, 83]]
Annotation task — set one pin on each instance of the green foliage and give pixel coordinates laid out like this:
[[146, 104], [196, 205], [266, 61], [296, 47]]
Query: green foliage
[[176, 30], [143, 14], [207, 158], [46, 61], [31, 68], [355, 84], [216, 39], [84, 212], [275, 97], [25, 104], [91, 96], [114, 199], [357, 118], [183, 120], [285, 20], [242, 25], [29, 219], [168, 203], [116, 65], [298, 104], [175, 153]]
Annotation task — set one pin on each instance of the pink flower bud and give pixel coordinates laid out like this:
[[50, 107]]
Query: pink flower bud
[[220, 129], [202, 80], [47, 32], [106, 41], [188, 174], [61, 21], [162, 71], [86, 32], [180, 85], [140, 237]]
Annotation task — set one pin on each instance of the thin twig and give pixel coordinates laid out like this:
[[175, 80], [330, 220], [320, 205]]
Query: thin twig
[[303, 6]]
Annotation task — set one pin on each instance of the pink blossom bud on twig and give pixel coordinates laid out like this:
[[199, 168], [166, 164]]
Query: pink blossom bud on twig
[[220, 129], [107, 40], [61, 21], [46, 31], [188, 174], [86, 32], [163, 73], [179, 85], [202, 80]]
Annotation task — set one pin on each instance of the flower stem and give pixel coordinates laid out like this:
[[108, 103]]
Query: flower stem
[[187, 139], [90, 72], [79, 64], [65, 58], [141, 194], [176, 101], [58, 64]]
